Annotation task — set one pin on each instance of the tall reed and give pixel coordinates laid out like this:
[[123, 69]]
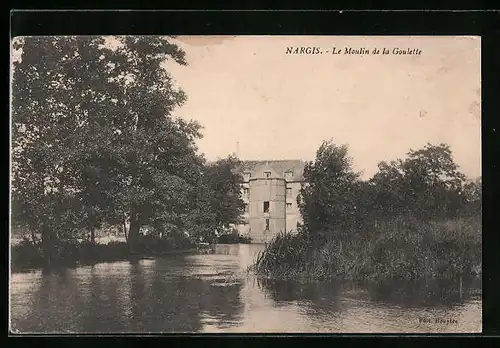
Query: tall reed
[[402, 248]]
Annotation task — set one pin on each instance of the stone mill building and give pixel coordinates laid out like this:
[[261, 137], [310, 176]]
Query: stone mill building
[[270, 190]]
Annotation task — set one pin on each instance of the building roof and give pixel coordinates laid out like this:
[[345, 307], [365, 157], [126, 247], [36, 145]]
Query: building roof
[[278, 167]]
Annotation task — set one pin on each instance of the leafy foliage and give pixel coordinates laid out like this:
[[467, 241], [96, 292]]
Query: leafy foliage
[[427, 185], [223, 182], [327, 199], [95, 141], [416, 217]]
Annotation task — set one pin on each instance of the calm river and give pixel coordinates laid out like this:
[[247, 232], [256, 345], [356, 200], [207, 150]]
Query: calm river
[[213, 293]]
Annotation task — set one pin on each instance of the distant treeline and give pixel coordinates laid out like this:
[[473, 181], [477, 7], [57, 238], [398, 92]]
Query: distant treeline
[[416, 217]]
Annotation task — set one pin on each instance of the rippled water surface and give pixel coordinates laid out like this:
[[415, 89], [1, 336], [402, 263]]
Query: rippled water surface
[[213, 293]]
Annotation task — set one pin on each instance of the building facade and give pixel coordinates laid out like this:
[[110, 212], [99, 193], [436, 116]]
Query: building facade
[[270, 190]]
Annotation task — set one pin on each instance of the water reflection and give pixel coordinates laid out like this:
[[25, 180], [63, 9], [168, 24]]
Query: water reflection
[[318, 295], [407, 294], [122, 297], [214, 293], [425, 293]]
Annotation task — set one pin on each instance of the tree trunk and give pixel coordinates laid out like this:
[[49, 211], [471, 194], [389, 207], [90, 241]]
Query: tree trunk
[[33, 237], [125, 229], [461, 287], [133, 234], [48, 245], [92, 235]]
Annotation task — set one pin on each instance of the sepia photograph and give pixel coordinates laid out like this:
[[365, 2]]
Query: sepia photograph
[[245, 184]]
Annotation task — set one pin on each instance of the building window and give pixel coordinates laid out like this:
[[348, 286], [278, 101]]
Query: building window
[[288, 191], [266, 207], [246, 208], [289, 206], [288, 174], [246, 191], [267, 175], [267, 224]]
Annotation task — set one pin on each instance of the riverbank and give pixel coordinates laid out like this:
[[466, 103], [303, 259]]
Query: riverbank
[[26, 254], [397, 249], [233, 239]]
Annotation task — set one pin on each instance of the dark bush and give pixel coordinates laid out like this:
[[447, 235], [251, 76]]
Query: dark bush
[[28, 255], [25, 253], [233, 239]]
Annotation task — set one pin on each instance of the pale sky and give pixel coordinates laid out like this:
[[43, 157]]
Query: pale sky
[[246, 89]]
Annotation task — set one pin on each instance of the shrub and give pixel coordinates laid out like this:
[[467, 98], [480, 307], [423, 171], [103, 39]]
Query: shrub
[[233, 239], [26, 254], [404, 248]]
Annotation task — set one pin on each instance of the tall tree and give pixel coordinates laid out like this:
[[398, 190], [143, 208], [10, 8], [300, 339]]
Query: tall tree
[[93, 118], [426, 184], [327, 199], [388, 186], [473, 197], [50, 97], [223, 182], [156, 152]]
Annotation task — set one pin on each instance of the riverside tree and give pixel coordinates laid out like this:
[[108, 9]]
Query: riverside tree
[[92, 125], [50, 106], [223, 182], [426, 184], [429, 220], [474, 195], [327, 199]]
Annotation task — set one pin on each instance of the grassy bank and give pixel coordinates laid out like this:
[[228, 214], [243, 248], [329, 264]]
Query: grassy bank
[[397, 249], [26, 254]]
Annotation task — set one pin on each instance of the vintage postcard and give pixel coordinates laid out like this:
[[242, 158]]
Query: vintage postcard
[[249, 184]]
